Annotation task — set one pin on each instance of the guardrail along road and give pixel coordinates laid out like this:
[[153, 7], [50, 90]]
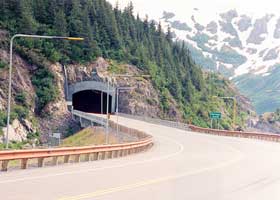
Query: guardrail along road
[[181, 165]]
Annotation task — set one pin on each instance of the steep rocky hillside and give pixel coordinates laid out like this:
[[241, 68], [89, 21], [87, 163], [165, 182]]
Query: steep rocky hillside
[[115, 41]]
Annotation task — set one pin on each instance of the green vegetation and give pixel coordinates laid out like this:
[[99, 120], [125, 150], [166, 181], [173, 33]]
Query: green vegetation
[[20, 98], [46, 91], [88, 136], [116, 67], [113, 34], [14, 145], [2, 64]]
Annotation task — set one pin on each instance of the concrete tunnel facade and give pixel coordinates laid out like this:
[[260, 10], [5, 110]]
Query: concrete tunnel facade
[[91, 96]]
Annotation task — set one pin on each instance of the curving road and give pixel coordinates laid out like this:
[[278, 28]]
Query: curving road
[[181, 165]]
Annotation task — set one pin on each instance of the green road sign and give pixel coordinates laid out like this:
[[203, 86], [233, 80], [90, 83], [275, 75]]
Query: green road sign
[[215, 115]]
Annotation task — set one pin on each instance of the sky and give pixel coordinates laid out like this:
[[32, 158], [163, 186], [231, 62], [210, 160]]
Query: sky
[[208, 8]]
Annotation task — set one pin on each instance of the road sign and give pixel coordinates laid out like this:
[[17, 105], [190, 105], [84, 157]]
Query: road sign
[[215, 115]]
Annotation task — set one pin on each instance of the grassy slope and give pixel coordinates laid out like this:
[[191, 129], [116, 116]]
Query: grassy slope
[[88, 136]]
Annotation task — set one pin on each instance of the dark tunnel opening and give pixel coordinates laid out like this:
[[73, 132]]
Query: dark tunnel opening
[[92, 101]]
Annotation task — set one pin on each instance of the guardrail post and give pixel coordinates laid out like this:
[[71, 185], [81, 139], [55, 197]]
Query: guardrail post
[[66, 158], [114, 153], [24, 163], [103, 155], [4, 165], [87, 157], [40, 162], [110, 154], [124, 152], [129, 151], [77, 158], [95, 156], [54, 160]]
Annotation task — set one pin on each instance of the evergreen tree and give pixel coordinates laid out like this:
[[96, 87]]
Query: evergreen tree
[[27, 23], [111, 33]]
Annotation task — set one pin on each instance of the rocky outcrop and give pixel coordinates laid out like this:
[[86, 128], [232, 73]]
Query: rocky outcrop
[[260, 28], [244, 23], [212, 27], [229, 15], [17, 132], [276, 33], [142, 99]]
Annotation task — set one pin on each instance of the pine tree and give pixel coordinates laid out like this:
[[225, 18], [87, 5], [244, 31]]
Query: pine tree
[[27, 23]]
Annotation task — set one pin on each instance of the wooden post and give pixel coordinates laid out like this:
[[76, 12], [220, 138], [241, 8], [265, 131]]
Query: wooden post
[[87, 157], [40, 162], [77, 158], [110, 154], [66, 158], [103, 155], [95, 156], [24, 163], [5, 165], [54, 160]]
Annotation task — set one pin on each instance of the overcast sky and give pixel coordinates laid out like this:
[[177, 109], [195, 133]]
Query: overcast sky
[[207, 8]]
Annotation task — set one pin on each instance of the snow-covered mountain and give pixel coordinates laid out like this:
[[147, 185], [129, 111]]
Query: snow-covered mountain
[[243, 48], [242, 44]]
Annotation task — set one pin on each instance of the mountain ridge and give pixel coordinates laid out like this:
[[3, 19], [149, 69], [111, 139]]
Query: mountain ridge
[[241, 47]]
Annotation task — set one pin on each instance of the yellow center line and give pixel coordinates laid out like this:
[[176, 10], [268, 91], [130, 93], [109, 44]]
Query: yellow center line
[[149, 182]]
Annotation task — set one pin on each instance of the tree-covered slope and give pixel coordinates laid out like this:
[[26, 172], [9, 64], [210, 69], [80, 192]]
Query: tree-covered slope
[[112, 34]]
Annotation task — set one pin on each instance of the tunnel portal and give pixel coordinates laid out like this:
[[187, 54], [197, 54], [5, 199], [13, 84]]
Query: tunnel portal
[[92, 101]]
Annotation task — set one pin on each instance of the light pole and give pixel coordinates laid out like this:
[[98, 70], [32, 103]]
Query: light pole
[[107, 112], [108, 88], [125, 88], [10, 70]]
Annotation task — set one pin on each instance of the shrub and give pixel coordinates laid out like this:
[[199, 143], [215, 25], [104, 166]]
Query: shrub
[[20, 98], [21, 112], [43, 80], [2, 64], [3, 119], [33, 135]]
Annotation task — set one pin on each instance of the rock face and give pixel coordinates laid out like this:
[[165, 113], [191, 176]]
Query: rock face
[[142, 99], [244, 23], [212, 27], [17, 132], [55, 115], [260, 28]]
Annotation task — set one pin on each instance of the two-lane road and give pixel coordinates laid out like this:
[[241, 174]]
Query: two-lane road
[[181, 165]]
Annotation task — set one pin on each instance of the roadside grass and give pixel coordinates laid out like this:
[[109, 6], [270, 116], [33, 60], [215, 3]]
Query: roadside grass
[[85, 137], [88, 136]]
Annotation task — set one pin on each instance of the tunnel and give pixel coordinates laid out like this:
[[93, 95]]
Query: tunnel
[[92, 101]]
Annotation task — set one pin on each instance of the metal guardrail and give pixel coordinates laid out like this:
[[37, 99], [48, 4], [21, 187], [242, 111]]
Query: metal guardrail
[[97, 152], [252, 135], [168, 123], [90, 117]]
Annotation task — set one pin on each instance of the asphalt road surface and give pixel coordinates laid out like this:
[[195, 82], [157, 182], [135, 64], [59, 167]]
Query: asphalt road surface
[[181, 165]]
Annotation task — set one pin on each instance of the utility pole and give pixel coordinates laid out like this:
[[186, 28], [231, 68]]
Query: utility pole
[[124, 88], [107, 112]]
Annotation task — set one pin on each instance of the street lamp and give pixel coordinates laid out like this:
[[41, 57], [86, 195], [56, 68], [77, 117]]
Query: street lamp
[[107, 108], [10, 70]]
